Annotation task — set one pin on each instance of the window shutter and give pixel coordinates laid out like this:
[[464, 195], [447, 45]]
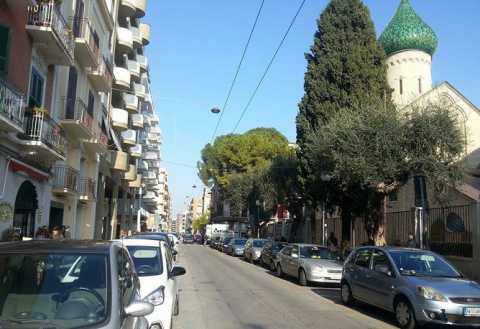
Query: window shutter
[[4, 45]]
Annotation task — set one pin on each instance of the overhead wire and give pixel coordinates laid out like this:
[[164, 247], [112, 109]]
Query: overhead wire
[[267, 69], [232, 85]]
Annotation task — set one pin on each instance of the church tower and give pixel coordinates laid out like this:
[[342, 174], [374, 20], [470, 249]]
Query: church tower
[[409, 44]]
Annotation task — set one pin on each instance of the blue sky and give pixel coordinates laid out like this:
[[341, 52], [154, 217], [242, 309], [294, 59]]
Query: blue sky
[[196, 46]]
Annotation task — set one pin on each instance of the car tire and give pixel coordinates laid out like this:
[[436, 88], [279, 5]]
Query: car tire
[[404, 314], [346, 294], [279, 270], [302, 278], [272, 266]]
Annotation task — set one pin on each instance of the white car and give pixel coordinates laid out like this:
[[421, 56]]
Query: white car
[[155, 268], [175, 240]]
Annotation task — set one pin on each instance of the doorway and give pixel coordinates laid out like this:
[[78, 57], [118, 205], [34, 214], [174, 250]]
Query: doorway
[[26, 205]]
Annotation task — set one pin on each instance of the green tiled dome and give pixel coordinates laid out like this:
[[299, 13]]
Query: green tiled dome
[[407, 30]]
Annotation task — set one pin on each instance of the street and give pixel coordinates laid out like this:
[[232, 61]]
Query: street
[[220, 291]]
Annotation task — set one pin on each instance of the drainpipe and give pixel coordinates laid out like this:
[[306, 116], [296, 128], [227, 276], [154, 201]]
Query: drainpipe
[[2, 195]]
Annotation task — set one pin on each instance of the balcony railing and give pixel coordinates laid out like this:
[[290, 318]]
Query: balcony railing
[[47, 15], [40, 127], [12, 103], [83, 29], [65, 178], [76, 110], [86, 188]]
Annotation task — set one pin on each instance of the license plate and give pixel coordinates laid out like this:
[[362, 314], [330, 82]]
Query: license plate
[[471, 311]]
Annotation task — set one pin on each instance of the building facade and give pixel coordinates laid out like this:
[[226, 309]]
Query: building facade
[[80, 139]]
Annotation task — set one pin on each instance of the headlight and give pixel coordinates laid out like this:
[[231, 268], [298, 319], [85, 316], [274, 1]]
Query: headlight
[[317, 270], [431, 294], [157, 297]]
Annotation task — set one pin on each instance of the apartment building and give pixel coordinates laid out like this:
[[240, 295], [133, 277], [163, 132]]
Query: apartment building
[[80, 138]]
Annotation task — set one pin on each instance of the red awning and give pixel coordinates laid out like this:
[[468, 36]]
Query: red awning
[[32, 172]]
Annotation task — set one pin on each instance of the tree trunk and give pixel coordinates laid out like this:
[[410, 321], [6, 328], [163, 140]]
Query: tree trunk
[[381, 233]]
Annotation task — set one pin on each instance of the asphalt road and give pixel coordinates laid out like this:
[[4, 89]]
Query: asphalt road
[[222, 292]]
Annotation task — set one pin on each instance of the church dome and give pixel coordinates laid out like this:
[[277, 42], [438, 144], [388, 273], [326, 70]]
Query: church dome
[[406, 31]]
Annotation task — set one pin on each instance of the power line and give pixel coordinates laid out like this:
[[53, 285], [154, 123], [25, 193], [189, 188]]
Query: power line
[[269, 65], [238, 70]]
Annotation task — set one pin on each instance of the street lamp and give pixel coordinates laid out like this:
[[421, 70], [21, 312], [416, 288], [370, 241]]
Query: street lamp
[[215, 110], [325, 178]]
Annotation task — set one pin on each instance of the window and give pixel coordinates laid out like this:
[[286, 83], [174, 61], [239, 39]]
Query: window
[[147, 260], [4, 49], [363, 258], [401, 86], [295, 250], [36, 89], [126, 279], [379, 258], [287, 251]]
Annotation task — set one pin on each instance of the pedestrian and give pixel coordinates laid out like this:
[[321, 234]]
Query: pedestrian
[[42, 233], [411, 243], [332, 242], [57, 233]]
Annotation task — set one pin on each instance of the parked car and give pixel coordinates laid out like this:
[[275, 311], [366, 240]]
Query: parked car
[[225, 244], [269, 253], [253, 249], [159, 236], [187, 238], [70, 284], [214, 242], [198, 238], [154, 265], [236, 247], [419, 286], [175, 240], [309, 263]]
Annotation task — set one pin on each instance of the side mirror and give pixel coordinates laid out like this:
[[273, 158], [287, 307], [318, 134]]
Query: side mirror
[[294, 255], [384, 269], [138, 309], [174, 253], [177, 271]]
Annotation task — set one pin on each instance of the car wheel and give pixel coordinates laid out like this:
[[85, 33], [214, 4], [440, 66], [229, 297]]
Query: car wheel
[[272, 266], [302, 278], [346, 294], [279, 271], [405, 315]]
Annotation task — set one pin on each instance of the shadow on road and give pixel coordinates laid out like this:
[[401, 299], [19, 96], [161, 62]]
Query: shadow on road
[[333, 294]]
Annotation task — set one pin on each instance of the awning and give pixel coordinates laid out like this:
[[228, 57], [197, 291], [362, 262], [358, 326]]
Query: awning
[[16, 165], [115, 139]]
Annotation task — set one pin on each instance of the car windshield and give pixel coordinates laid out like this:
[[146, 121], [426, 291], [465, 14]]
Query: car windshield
[[279, 246], [147, 260], [419, 263], [188, 236], [240, 242], [54, 290], [227, 240], [259, 243], [314, 252]]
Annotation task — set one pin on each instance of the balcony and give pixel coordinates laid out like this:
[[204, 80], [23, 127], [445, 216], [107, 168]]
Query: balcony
[[118, 160], [140, 6], [12, 108], [150, 156], [143, 165], [101, 76], [87, 189], [155, 130], [153, 137], [154, 119], [87, 51], [43, 137], [137, 36], [122, 77], [106, 10], [136, 121], [150, 175], [124, 40], [131, 102], [136, 183], [134, 68], [131, 174], [154, 164], [139, 90], [98, 142], [145, 32], [65, 180], [136, 151], [129, 137], [119, 119], [77, 122], [149, 197], [146, 120], [143, 60], [49, 30], [127, 8]]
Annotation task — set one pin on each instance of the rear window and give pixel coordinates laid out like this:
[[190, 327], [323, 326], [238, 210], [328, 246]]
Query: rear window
[[147, 260]]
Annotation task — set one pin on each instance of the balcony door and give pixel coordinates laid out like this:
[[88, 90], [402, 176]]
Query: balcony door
[[26, 206], [78, 20], [71, 94]]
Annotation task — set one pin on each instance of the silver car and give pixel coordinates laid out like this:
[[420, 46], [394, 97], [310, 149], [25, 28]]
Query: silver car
[[253, 249], [419, 286], [308, 263], [69, 284]]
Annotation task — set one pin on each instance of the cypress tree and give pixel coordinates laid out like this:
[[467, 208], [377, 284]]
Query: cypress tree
[[346, 70]]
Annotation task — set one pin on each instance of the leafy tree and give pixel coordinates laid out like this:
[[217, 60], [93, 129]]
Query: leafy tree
[[201, 222], [346, 72]]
